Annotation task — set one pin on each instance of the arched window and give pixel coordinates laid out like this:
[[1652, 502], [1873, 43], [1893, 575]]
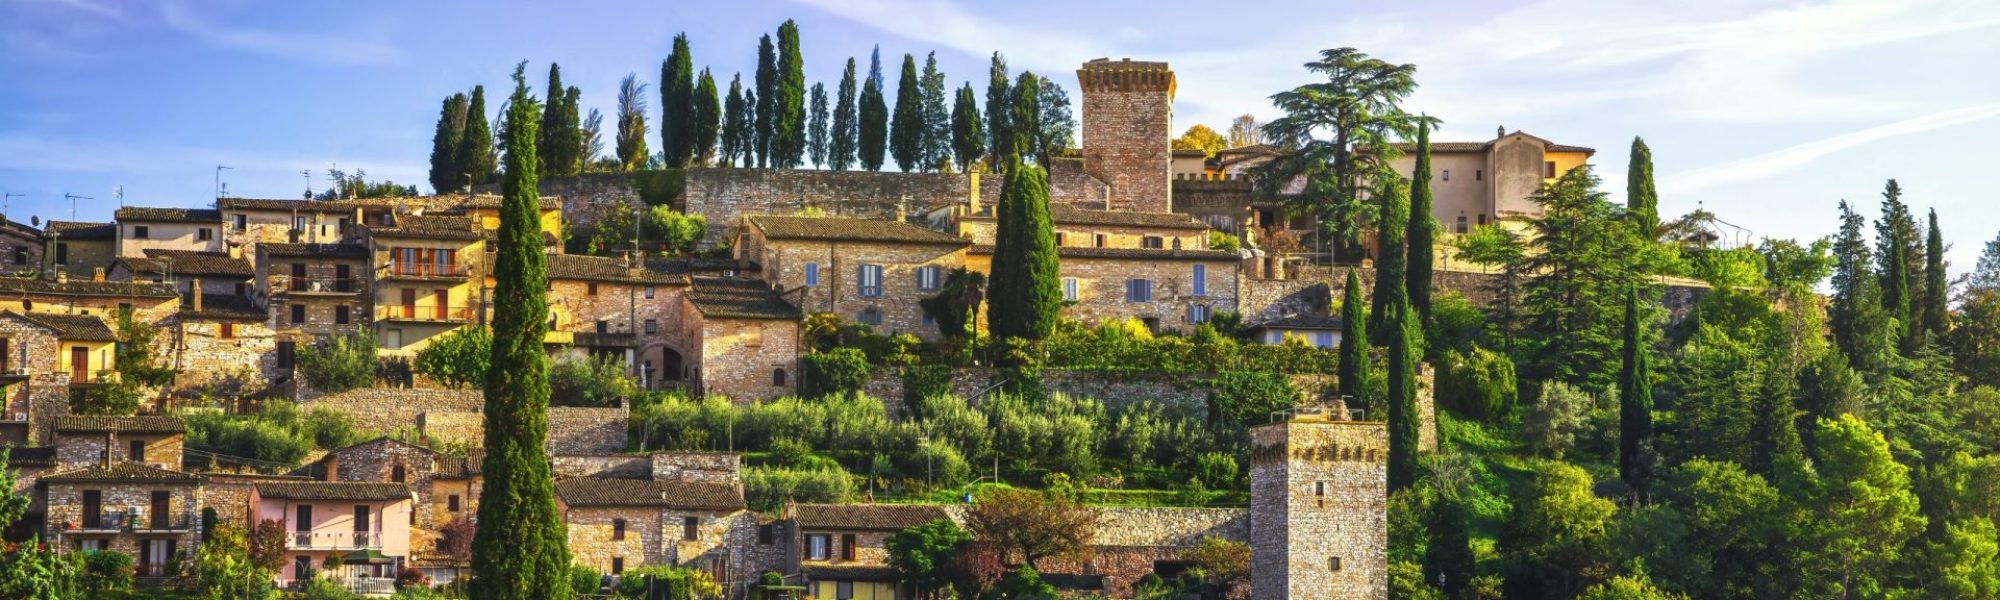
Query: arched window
[[397, 474], [778, 377]]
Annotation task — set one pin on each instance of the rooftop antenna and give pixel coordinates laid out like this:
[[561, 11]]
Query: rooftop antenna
[[7, 202], [308, 174], [72, 203], [219, 189], [118, 191]]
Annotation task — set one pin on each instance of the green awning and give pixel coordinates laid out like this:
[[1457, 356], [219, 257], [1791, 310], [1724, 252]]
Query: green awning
[[366, 557]]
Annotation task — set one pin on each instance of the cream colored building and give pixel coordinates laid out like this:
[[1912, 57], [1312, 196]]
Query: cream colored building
[[1474, 183]]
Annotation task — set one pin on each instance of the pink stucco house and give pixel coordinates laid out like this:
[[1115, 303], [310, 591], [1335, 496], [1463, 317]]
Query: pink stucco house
[[356, 532]]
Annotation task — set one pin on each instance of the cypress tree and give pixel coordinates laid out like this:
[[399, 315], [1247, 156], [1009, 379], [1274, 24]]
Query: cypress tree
[[475, 147], [766, 106], [707, 121], [1025, 115], [840, 150], [576, 147], [1635, 409], [732, 124], [1025, 305], [1642, 201], [874, 126], [1390, 256], [816, 126], [1403, 417], [788, 137], [1354, 362], [1935, 314], [906, 127], [1422, 235], [445, 174], [968, 136], [936, 116], [551, 147], [999, 111], [1855, 316], [677, 103], [522, 551], [1449, 557], [632, 151], [1899, 260], [751, 151]]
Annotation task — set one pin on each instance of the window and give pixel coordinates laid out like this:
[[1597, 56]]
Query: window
[[1322, 339], [204, 234], [843, 590], [817, 546], [1333, 563], [1460, 225], [298, 224], [392, 339], [652, 326], [1549, 170], [603, 326], [690, 529], [93, 509], [298, 313], [20, 255], [397, 474], [286, 352], [617, 529], [870, 315], [451, 503], [847, 546], [1069, 289], [617, 565], [930, 277], [1102, 240], [1197, 314], [767, 534], [227, 331], [1062, 239], [1446, 175], [242, 222], [649, 292], [1152, 242], [812, 274], [1138, 290], [242, 289], [1479, 175], [778, 377], [870, 281], [62, 253], [1201, 280], [140, 232], [1319, 488], [340, 316], [138, 451], [1482, 218], [590, 289]]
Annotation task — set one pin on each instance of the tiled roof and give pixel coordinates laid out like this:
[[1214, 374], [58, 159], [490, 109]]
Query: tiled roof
[[170, 215], [1130, 253], [20, 229], [599, 268], [431, 226], [1189, 152], [648, 492], [334, 490], [223, 307], [1065, 214], [31, 456], [189, 262], [315, 250], [845, 229], [282, 205], [691, 265], [1302, 322], [493, 201], [82, 328], [82, 231], [1453, 147], [75, 287], [718, 297], [461, 467], [121, 424], [880, 517], [120, 471]]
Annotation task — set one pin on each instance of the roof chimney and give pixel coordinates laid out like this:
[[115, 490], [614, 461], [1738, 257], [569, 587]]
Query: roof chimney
[[62, 276], [194, 289], [97, 274], [235, 251], [1502, 133]]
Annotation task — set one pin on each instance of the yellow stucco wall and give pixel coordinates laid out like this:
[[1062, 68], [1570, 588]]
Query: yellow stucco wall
[[101, 357]]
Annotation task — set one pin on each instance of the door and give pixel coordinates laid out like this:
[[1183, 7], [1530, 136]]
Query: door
[[302, 566], [79, 364], [302, 525], [298, 277], [158, 552], [93, 509], [361, 526], [160, 510], [443, 311], [341, 273], [409, 303]]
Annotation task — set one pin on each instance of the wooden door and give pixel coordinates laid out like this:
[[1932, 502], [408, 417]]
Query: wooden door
[[409, 303], [79, 364]]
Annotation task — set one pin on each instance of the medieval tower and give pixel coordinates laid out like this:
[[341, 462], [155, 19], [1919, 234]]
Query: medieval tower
[[1128, 112], [1318, 500]]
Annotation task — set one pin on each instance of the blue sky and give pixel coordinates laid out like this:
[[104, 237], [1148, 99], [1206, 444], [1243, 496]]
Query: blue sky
[[1767, 113]]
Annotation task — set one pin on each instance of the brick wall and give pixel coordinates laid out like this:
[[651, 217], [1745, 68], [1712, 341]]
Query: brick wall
[[1127, 124], [1319, 491]]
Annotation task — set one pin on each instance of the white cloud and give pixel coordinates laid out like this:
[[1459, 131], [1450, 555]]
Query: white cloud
[[1772, 163], [294, 45], [64, 154]]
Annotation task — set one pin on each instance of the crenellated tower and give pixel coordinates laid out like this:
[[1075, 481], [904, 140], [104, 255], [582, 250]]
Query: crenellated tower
[[1319, 492], [1128, 113]]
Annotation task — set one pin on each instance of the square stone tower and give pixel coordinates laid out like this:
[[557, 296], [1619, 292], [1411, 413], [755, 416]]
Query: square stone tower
[[1128, 113], [1318, 509]]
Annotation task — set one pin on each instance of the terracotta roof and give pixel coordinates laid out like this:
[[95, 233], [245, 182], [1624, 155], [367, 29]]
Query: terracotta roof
[[1189, 153], [223, 307], [431, 226], [19, 228], [1303, 322], [1064, 214], [493, 201], [31, 456], [82, 328], [599, 268], [880, 517], [77, 287], [168, 215], [122, 424], [381, 440], [718, 297], [357, 251], [1131, 253], [648, 492], [189, 262], [118, 472], [845, 229], [82, 231], [690, 265], [1453, 147], [282, 205], [333, 490], [461, 467], [1263, 149]]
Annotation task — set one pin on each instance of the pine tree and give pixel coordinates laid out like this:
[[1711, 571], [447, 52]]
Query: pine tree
[[937, 149], [766, 106], [1855, 316], [677, 103], [840, 151], [1025, 294], [445, 175], [632, 152], [707, 122], [1403, 416], [816, 128], [1935, 312], [968, 135], [788, 137], [1899, 261], [475, 147], [523, 551], [1354, 361], [874, 126], [906, 127], [734, 114], [1642, 201], [1055, 127], [1635, 409], [1390, 224], [999, 111], [1422, 236]]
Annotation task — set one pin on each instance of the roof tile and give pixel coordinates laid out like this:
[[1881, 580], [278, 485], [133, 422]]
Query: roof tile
[[648, 492], [334, 490], [879, 517], [846, 229], [718, 297], [118, 472], [168, 214]]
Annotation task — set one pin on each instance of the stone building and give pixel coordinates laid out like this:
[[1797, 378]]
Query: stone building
[[85, 347], [117, 486], [1318, 508], [32, 387], [742, 339], [89, 440], [142, 228], [425, 278], [863, 271], [20, 247], [249, 222], [1474, 183], [617, 524], [1128, 112], [77, 249], [222, 344], [220, 273], [608, 307], [842, 549], [310, 291]]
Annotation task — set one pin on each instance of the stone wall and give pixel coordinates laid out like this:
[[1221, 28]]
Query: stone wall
[[242, 362], [452, 427], [229, 495], [838, 290], [86, 449], [624, 308], [615, 466], [1115, 390], [18, 250], [655, 536], [389, 409], [65, 506], [580, 430], [377, 461], [1319, 494], [718, 467], [736, 358]]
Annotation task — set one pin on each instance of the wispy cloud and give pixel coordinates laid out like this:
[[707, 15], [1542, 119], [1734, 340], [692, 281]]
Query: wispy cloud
[[64, 154], [293, 45], [1772, 163]]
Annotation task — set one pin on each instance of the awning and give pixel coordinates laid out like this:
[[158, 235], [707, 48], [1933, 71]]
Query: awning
[[366, 557]]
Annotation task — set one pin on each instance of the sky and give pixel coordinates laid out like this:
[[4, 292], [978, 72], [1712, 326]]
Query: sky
[[1765, 113]]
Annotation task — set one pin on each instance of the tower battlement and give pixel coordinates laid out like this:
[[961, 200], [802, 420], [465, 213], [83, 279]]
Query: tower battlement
[[1318, 500], [1128, 113]]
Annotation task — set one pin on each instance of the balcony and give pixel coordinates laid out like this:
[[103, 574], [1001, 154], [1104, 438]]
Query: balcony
[[131, 522], [425, 270], [313, 286], [334, 540], [424, 314], [604, 340]]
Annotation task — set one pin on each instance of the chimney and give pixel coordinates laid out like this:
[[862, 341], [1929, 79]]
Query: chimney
[[1502, 133], [194, 289], [97, 274], [972, 195], [235, 251], [62, 276]]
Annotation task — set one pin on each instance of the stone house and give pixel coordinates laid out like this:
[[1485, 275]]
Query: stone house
[[249, 222], [426, 272], [1318, 509], [222, 343], [28, 464], [149, 513], [864, 271], [605, 307], [742, 339], [310, 291], [385, 460], [361, 529], [148, 302], [1087, 228], [91, 440], [84, 347], [618, 524], [32, 387], [841, 549], [1474, 183], [219, 273], [20, 247], [141, 228], [1165, 289], [77, 248]]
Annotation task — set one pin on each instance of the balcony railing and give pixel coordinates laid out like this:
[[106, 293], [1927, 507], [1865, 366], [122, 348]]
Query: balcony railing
[[407, 312], [426, 269], [371, 586], [129, 521], [281, 284], [335, 540]]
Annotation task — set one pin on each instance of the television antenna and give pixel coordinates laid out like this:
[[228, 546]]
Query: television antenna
[[72, 203], [7, 201], [219, 189], [308, 174], [118, 191]]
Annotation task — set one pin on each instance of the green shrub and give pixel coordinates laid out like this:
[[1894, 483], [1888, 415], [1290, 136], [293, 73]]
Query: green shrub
[[458, 359], [937, 463], [584, 580], [769, 488], [105, 571], [659, 187], [599, 382], [672, 421], [1218, 240], [339, 363], [323, 587], [836, 371], [1215, 470], [949, 419], [1061, 433], [924, 381], [1127, 346], [1478, 385], [675, 232], [1552, 422], [1249, 398], [114, 398]]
